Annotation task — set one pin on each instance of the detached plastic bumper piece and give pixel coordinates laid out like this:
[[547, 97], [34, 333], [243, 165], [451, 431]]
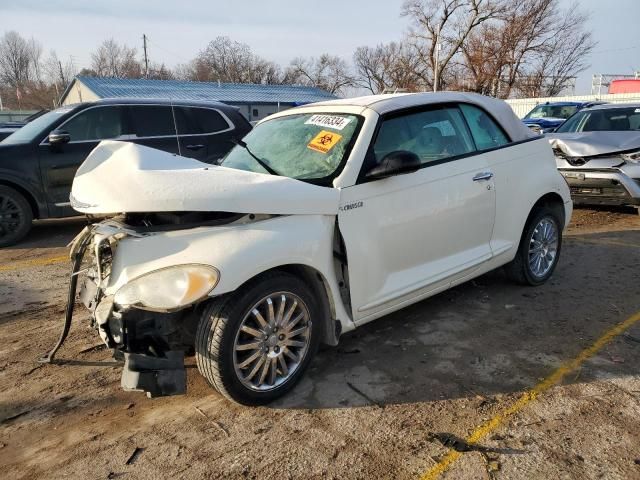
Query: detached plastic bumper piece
[[158, 377]]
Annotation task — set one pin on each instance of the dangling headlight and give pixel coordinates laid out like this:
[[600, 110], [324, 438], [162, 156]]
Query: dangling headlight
[[169, 288], [633, 157]]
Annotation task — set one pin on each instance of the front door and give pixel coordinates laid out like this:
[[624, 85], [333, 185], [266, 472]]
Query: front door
[[410, 235], [58, 163]]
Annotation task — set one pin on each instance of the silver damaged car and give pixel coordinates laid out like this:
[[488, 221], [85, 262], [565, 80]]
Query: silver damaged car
[[597, 151]]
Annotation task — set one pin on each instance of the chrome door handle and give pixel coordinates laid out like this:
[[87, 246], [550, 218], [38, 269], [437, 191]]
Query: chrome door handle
[[482, 176]]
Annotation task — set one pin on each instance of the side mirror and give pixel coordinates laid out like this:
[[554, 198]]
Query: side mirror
[[59, 137], [395, 163]]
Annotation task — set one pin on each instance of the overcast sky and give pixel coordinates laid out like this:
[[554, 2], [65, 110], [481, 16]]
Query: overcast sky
[[275, 29]]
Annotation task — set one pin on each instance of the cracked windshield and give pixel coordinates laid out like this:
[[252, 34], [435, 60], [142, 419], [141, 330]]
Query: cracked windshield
[[305, 147]]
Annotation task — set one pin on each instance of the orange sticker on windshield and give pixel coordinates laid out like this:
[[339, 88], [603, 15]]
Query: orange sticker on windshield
[[324, 141]]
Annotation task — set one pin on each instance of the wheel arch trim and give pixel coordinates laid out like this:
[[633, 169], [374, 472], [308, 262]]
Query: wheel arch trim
[[553, 200], [319, 285], [38, 208]]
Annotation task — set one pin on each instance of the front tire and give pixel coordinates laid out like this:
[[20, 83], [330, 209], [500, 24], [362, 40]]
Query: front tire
[[539, 248], [253, 345], [15, 216]]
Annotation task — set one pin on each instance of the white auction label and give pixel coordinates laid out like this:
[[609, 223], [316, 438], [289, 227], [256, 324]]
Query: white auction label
[[328, 121]]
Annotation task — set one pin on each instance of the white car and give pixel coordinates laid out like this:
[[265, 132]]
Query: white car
[[323, 218]]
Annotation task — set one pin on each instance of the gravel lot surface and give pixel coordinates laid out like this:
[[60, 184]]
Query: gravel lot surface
[[397, 399]]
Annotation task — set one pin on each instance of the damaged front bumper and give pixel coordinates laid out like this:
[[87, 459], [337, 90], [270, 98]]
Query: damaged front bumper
[[152, 344], [602, 179], [602, 187]]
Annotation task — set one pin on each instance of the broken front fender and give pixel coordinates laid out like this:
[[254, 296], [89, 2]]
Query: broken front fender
[[238, 252]]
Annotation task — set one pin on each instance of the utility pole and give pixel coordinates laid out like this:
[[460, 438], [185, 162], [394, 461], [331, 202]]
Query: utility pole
[[146, 58], [437, 60], [73, 65], [61, 73]]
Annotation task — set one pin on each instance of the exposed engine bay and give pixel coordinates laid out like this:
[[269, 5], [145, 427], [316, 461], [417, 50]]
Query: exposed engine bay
[[155, 220]]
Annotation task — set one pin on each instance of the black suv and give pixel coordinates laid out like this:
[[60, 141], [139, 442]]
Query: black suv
[[38, 162]]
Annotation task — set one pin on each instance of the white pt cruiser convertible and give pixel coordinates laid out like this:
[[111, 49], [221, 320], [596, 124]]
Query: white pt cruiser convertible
[[322, 218]]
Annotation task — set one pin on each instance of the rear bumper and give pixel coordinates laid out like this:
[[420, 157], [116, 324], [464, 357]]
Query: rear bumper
[[602, 187]]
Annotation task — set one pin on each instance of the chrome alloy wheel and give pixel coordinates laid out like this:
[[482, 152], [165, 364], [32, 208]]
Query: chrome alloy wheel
[[272, 341], [543, 247]]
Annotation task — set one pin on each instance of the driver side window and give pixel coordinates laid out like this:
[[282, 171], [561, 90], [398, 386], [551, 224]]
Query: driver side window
[[432, 135], [98, 123]]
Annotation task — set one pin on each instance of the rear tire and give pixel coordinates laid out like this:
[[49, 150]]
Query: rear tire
[[254, 358], [15, 216], [539, 249]]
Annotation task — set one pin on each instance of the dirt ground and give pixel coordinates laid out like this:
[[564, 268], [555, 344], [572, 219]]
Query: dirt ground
[[389, 402]]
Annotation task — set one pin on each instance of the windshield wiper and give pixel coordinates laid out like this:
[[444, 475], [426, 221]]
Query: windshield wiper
[[264, 165]]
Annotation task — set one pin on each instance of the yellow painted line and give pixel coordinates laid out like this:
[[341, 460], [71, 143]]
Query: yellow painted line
[[527, 397], [614, 243], [35, 262]]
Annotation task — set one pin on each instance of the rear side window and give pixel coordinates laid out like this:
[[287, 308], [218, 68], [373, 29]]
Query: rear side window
[[199, 121], [98, 123], [486, 132], [152, 121], [432, 135]]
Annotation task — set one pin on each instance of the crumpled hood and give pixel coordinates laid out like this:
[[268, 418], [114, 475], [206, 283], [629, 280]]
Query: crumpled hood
[[121, 177], [586, 144]]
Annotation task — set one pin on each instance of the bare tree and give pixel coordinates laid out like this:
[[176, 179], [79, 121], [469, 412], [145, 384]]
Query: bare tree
[[57, 71], [563, 56], [495, 47], [15, 60], [56, 76], [160, 72], [226, 60], [531, 48], [35, 55], [22, 79], [192, 70], [440, 29], [87, 72], [115, 60], [327, 71], [388, 66], [268, 72]]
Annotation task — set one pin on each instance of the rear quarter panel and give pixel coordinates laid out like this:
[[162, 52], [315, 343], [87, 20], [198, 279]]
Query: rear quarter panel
[[523, 173]]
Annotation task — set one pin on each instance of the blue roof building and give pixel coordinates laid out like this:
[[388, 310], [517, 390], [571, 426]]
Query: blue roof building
[[254, 101]]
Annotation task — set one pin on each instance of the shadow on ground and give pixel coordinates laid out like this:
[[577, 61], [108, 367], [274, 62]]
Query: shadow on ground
[[51, 233], [622, 209], [487, 336]]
